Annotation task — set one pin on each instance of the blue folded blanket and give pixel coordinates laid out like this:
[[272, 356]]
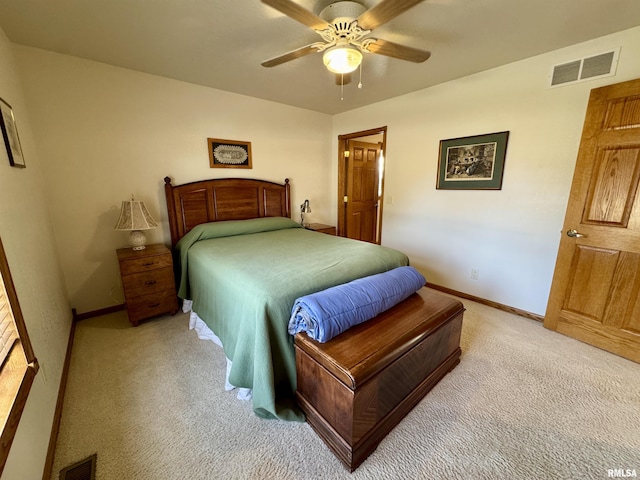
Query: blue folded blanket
[[325, 314]]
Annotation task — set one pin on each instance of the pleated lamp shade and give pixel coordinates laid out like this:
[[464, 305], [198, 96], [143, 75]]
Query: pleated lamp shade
[[135, 217]]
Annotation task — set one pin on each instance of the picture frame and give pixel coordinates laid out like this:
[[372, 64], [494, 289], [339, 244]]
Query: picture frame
[[472, 163], [229, 153], [10, 135]]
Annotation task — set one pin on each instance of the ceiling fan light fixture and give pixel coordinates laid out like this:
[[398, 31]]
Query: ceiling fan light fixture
[[342, 59]]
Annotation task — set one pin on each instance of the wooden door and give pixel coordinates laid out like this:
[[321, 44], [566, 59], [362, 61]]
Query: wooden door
[[363, 191], [595, 294]]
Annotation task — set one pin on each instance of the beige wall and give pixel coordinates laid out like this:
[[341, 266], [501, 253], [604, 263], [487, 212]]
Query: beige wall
[[511, 236], [28, 238], [111, 132]]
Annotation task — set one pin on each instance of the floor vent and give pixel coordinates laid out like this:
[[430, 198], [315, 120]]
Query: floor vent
[[83, 470], [588, 68]]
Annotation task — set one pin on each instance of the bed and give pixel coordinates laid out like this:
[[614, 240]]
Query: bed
[[241, 263]]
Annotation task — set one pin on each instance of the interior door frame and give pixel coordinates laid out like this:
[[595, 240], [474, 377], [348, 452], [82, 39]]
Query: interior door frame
[[342, 181]]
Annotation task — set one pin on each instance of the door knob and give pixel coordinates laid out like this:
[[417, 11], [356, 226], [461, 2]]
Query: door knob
[[574, 233]]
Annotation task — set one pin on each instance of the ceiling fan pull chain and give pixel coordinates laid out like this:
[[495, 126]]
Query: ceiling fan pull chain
[[360, 82], [342, 86]]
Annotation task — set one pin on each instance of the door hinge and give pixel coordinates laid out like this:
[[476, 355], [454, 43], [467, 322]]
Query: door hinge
[[346, 154], [345, 199]]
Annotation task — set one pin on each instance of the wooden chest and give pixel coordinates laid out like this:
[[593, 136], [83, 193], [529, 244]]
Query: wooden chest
[[355, 388]]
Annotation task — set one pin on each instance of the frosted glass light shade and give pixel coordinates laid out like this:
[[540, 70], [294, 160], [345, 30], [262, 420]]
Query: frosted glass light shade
[[342, 59]]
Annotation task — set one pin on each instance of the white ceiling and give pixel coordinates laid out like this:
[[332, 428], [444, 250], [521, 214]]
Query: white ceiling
[[221, 43]]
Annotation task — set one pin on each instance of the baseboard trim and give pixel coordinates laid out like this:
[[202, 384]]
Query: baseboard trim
[[483, 301], [55, 428], [97, 313]]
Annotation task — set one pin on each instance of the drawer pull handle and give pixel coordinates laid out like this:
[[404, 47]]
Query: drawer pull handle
[[147, 264], [154, 305], [150, 282]]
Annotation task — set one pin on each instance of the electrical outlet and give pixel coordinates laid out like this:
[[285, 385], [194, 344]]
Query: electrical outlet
[[475, 273]]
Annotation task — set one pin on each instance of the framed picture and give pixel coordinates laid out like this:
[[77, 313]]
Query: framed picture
[[10, 135], [472, 163], [229, 153]]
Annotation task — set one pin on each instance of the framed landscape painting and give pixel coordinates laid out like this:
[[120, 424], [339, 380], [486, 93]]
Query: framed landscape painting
[[472, 163]]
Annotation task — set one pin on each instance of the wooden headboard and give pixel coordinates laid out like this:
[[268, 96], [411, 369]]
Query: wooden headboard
[[220, 199]]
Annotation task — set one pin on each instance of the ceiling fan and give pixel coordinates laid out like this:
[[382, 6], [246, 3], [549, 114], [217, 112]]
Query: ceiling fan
[[344, 26]]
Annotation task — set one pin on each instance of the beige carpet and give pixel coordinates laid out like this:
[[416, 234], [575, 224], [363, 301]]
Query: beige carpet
[[524, 403]]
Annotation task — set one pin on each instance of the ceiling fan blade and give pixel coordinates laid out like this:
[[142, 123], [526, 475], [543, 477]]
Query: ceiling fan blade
[[292, 55], [343, 79], [298, 13], [384, 11], [395, 50]]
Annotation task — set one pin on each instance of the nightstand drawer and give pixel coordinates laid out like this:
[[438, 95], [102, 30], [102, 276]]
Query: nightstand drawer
[[137, 265], [148, 282], [146, 306]]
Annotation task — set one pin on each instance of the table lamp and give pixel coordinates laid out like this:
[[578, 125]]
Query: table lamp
[[135, 217], [304, 208]]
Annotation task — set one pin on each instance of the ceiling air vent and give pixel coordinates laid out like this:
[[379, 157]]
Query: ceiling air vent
[[597, 66], [565, 73], [588, 68]]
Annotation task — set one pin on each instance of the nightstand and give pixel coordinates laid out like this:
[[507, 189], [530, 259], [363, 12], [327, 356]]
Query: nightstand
[[148, 282], [322, 228]]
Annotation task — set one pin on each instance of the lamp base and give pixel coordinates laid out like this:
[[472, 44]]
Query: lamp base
[[138, 239]]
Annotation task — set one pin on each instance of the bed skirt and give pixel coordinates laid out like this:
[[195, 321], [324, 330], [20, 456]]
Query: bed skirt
[[205, 333]]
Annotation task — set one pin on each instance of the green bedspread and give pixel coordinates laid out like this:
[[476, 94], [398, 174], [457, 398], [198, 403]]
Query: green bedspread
[[244, 285]]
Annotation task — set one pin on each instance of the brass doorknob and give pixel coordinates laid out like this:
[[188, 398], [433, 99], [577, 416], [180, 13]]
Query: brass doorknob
[[574, 233]]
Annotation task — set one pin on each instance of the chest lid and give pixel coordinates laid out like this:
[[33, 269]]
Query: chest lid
[[361, 352]]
